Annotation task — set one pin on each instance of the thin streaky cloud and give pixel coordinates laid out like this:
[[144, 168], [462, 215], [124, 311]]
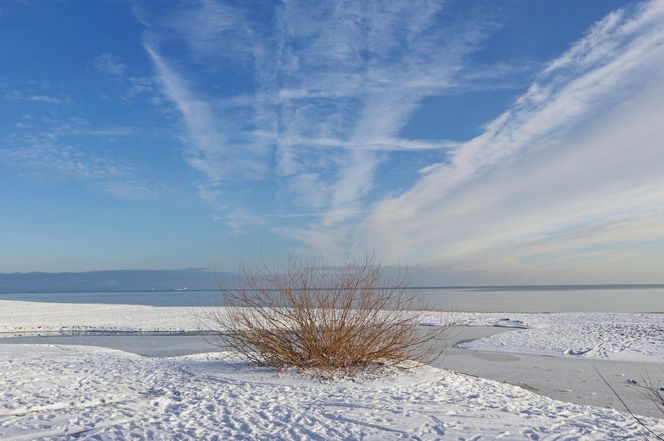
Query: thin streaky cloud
[[110, 65], [377, 145], [378, 96], [37, 98], [588, 119], [289, 113], [335, 85], [518, 143], [209, 148], [50, 153], [64, 159], [305, 215]]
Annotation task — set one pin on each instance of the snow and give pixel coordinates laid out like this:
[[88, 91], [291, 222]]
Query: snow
[[84, 392], [50, 391], [626, 337], [613, 336], [21, 318]]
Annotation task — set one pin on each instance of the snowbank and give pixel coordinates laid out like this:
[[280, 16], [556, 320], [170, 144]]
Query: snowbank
[[84, 392]]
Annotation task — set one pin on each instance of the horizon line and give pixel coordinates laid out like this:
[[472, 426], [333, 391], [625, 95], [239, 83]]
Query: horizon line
[[487, 287]]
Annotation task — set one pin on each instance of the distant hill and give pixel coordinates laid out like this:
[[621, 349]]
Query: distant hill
[[116, 280]]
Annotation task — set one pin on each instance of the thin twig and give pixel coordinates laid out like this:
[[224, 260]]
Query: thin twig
[[637, 419]]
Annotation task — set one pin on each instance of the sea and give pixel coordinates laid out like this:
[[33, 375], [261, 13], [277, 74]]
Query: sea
[[568, 298]]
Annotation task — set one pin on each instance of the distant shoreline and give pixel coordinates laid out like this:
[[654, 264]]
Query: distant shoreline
[[410, 288]]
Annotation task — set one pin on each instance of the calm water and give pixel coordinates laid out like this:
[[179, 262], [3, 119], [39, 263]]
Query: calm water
[[637, 298]]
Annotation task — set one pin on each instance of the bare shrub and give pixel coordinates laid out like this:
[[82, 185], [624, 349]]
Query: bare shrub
[[654, 391], [329, 319]]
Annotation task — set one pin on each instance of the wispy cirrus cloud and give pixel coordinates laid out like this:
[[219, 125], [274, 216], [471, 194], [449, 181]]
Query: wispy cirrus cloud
[[37, 97], [317, 135], [48, 159], [387, 144], [333, 85], [60, 149], [115, 69], [134, 188], [212, 29], [45, 157], [575, 156], [110, 65], [211, 149]]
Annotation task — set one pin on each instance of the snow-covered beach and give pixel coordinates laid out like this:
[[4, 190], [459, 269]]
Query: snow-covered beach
[[614, 336], [55, 390], [83, 392]]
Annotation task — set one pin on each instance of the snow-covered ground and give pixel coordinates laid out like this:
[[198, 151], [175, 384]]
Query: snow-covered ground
[[635, 337], [52, 391], [19, 318], [628, 337], [84, 392]]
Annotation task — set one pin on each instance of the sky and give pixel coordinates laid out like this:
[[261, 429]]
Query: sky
[[475, 142]]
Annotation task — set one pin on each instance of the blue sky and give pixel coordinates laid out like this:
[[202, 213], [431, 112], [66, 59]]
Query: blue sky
[[477, 142]]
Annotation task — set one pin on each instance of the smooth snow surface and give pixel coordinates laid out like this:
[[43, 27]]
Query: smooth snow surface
[[82, 393]]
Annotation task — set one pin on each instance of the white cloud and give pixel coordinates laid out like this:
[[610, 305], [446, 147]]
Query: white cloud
[[212, 29], [393, 144], [132, 188], [49, 159], [350, 76], [37, 97], [64, 159], [109, 64], [53, 149], [576, 155], [211, 149], [335, 84]]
